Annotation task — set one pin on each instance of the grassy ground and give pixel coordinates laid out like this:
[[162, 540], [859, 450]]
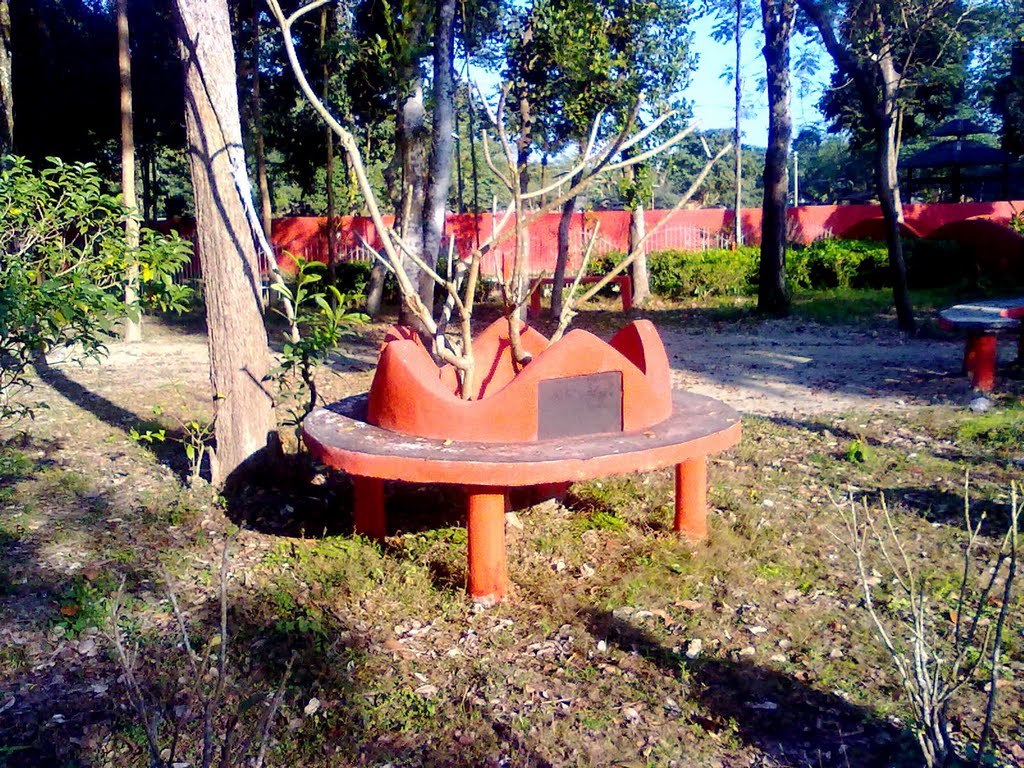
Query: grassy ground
[[621, 644]]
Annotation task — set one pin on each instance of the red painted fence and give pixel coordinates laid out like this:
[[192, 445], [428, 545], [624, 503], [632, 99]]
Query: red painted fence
[[982, 226]]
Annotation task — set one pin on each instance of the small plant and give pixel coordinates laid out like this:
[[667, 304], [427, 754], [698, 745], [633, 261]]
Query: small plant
[[323, 317], [194, 435], [606, 521], [937, 646], [83, 603], [858, 452], [1017, 221]]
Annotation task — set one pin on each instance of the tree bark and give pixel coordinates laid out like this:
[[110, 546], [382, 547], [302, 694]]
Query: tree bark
[[439, 179], [412, 147], [889, 183], [133, 322], [562, 258], [239, 355], [6, 71], [638, 229], [772, 293]]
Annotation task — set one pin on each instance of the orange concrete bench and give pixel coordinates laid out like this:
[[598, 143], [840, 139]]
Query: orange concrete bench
[[340, 437], [982, 321], [625, 283]]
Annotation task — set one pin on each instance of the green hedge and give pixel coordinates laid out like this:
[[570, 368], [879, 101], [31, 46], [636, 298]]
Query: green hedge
[[838, 264], [681, 274], [824, 264]]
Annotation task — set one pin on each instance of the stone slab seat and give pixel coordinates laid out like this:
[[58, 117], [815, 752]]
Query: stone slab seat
[[981, 321], [411, 395]]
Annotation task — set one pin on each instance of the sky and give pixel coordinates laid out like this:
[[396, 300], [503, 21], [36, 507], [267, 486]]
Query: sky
[[713, 97]]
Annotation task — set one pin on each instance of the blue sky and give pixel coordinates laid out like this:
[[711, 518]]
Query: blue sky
[[712, 96]]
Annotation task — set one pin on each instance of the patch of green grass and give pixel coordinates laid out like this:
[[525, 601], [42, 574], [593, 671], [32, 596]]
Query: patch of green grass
[[844, 305], [600, 520], [14, 465], [420, 544], [999, 429], [83, 603], [399, 710], [179, 509]]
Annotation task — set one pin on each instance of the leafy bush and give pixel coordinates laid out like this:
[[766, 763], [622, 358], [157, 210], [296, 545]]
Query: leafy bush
[[64, 262], [678, 274], [838, 264]]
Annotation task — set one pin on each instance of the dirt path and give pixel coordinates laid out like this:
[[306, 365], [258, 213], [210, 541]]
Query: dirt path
[[788, 367], [780, 367]]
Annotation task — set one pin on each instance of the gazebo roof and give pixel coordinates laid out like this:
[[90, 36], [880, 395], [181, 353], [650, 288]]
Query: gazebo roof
[[957, 153], [959, 127]]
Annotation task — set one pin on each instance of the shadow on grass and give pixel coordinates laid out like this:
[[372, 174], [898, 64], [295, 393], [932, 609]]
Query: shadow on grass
[[168, 452], [366, 713], [56, 681], [790, 721]]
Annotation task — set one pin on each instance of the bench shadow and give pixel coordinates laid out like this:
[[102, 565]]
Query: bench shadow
[[790, 721]]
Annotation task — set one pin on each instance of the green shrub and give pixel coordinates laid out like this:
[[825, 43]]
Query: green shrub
[[64, 263], [838, 264], [679, 274]]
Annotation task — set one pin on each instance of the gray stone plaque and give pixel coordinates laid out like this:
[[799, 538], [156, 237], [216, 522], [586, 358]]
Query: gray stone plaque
[[579, 405]]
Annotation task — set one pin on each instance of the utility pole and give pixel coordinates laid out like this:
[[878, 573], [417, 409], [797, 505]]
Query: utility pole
[[796, 178], [736, 132]]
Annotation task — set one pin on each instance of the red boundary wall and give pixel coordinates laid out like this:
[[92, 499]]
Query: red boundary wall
[[983, 226]]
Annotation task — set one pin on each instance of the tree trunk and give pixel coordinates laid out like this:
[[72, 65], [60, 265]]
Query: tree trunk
[[737, 136], [474, 166], [638, 229], [239, 356], [6, 92], [772, 293], [412, 138], [892, 215], [882, 114], [637, 232], [133, 322], [439, 179], [562, 259], [889, 188]]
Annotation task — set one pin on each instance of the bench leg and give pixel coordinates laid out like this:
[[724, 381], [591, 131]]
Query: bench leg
[[626, 289], [692, 498], [488, 569], [980, 360], [370, 520]]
